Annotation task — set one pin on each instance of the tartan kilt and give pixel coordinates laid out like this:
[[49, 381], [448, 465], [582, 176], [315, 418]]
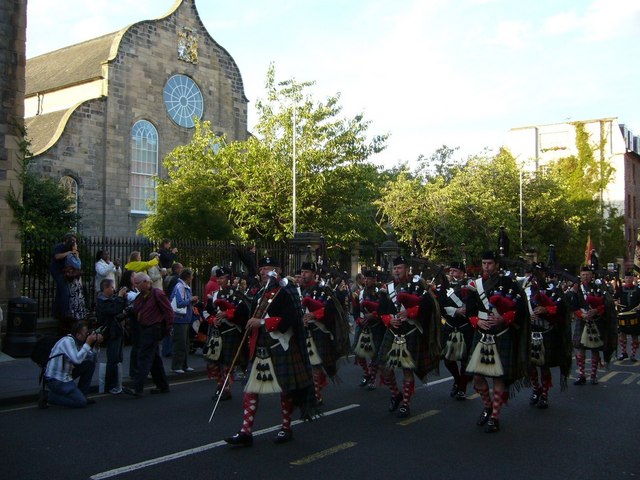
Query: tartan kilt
[[231, 339], [326, 349], [554, 351], [467, 333], [505, 348], [578, 327], [291, 366], [377, 334]]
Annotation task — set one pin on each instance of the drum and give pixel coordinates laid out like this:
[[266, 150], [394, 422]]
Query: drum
[[629, 322]]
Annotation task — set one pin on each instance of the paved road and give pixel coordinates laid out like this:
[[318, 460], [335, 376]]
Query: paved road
[[589, 432]]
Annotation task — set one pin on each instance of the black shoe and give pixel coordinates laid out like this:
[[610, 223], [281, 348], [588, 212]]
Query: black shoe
[[404, 411], [543, 404], [593, 381], [283, 436], [395, 402], [460, 396], [622, 356], [240, 440], [633, 360], [91, 401], [580, 381], [534, 398], [157, 390], [484, 417], [128, 391], [43, 400], [364, 382], [454, 390], [319, 402], [372, 384], [493, 425]]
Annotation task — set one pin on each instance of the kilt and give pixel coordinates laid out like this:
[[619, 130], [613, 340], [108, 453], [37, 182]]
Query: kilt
[[290, 366], [377, 335], [464, 328], [554, 351], [578, 327], [231, 339], [505, 348], [326, 348]]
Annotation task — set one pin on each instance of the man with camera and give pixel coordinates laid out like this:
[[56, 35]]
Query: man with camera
[[71, 357], [111, 313]]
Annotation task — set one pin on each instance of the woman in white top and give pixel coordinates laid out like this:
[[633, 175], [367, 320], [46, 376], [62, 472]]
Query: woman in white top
[[105, 268]]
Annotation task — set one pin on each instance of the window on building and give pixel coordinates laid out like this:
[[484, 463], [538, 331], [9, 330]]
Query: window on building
[[144, 166], [628, 206], [634, 206], [70, 186], [633, 172]]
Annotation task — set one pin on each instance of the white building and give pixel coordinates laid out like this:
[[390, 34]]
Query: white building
[[537, 145]]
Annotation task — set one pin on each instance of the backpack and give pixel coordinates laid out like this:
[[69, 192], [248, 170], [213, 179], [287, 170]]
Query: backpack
[[42, 350]]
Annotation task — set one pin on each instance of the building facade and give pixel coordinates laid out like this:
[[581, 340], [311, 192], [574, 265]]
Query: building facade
[[535, 146], [13, 21], [101, 115]]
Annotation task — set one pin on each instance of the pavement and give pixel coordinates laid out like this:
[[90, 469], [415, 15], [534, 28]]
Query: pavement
[[19, 376]]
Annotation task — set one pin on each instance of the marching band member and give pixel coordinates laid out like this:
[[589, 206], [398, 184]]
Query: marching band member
[[497, 311], [277, 355], [369, 330], [412, 340]]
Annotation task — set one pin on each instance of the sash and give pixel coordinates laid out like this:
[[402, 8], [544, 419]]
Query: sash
[[393, 296], [454, 298], [483, 299]]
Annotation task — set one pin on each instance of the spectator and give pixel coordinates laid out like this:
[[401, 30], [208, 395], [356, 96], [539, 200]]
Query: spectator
[[171, 280], [137, 265], [61, 308], [134, 327], [105, 268], [110, 312], [155, 272], [155, 316], [72, 274], [182, 302], [71, 357], [167, 254]]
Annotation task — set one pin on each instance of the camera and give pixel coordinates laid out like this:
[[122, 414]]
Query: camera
[[124, 313]]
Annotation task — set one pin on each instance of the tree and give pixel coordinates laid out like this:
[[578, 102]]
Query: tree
[[244, 190], [44, 208]]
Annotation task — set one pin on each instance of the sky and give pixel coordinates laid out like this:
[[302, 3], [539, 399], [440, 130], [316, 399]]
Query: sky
[[459, 73]]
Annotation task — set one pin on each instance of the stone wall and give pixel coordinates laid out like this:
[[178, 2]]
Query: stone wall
[[13, 18]]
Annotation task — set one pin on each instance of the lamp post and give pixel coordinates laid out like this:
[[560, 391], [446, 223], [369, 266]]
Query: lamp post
[[294, 206]]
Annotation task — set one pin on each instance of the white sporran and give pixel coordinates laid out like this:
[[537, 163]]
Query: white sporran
[[485, 359], [262, 378], [365, 347]]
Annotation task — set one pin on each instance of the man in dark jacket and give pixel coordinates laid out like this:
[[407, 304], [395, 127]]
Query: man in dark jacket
[[110, 314]]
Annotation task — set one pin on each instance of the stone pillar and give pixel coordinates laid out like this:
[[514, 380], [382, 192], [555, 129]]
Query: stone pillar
[[13, 28]]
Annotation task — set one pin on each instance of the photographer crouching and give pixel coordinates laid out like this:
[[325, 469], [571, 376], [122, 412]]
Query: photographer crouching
[[71, 357], [111, 313]]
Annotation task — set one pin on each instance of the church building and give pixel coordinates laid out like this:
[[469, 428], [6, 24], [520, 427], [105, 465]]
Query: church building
[[101, 115]]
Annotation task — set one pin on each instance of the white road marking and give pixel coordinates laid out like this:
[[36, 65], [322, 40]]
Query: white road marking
[[203, 448]]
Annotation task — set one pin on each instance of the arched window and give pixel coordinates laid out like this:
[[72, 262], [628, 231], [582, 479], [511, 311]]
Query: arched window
[[144, 165], [70, 186]]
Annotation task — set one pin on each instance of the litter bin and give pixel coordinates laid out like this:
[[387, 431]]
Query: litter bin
[[21, 327]]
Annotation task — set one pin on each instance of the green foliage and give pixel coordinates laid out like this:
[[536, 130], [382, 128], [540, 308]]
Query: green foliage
[[466, 203], [245, 189], [44, 207]]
